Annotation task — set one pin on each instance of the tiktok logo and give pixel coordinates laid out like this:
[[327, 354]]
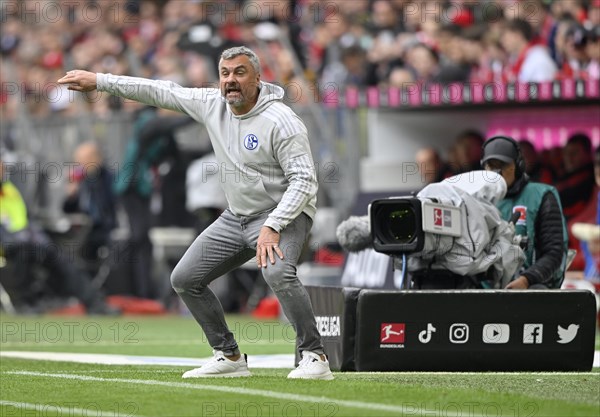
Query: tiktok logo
[[425, 335]]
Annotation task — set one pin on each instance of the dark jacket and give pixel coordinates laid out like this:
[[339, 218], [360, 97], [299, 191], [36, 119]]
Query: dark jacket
[[96, 199], [576, 189], [548, 242], [152, 141]]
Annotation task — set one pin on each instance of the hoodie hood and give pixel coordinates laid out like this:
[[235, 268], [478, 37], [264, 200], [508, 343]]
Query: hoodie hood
[[269, 93]]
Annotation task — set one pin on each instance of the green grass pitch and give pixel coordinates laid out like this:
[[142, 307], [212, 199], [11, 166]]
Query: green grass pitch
[[44, 388]]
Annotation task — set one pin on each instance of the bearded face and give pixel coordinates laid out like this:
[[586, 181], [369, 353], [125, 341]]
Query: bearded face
[[239, 83]]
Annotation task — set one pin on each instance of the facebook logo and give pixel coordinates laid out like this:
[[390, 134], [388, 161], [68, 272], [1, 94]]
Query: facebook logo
[[532, 333]]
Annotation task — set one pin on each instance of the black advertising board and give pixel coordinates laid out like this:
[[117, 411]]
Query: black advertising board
[[475, 330]]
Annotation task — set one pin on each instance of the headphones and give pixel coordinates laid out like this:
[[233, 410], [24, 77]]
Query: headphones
[[519, 163]]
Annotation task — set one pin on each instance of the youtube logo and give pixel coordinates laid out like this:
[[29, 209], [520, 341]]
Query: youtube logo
[[496, 333]]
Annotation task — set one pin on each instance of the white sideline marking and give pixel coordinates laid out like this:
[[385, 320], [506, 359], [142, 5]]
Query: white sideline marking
[[444, 373], [277, 361], [45, 408], [256, 392], [254, 361], [155, 342]]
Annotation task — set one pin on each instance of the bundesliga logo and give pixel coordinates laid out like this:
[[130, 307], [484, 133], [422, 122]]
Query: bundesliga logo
[[442, 218], [392, 332]]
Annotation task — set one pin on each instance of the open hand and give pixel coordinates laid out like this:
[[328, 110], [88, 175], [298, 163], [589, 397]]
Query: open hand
[[267, 245], [79, 80]]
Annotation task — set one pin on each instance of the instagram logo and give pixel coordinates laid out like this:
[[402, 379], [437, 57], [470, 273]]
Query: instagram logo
[[459, 333]]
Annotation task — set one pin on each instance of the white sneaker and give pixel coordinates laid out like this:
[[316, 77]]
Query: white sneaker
[[312, 367], [221, 367]]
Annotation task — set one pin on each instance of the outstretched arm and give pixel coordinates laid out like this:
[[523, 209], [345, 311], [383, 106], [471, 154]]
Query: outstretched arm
[[165, 94]]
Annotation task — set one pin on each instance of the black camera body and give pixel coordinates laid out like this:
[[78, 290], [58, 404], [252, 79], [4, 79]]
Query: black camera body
[[402, 225], [396, 225]]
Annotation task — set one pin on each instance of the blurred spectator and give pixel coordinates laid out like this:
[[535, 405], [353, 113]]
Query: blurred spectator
[[552, 158], [384, 53], [25, 245], [401, 77], [354, 59], [205, 197], [593, 52], [575, 60], [559, 43], [455, 65], [152, 143], [587, 241], [574, 8], [336, 37], [476, 57], [533, 167], [89, 191], [444, 40], [576, 185], [528, 61], [351, 71], [424, 63], [541, 20], [384, 18], [11, 36], [467, 152], [431, 166], [593, 15], [591, 244]]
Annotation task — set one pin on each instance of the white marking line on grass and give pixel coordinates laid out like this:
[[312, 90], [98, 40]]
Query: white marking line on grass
[[480, 373], [249, 391], [154, 342], [278, 361], [68, 411]]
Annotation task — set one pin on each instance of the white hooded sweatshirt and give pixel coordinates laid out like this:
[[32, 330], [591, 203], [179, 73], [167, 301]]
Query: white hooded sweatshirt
[[264, 156]]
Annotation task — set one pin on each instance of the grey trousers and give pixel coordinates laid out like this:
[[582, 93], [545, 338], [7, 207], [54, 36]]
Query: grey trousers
[[227, 244]]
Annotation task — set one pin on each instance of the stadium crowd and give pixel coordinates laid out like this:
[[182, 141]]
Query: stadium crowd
[[358, 42], [345, 43]]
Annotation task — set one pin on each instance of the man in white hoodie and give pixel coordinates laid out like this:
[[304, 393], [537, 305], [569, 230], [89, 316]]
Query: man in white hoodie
[[269, 179]]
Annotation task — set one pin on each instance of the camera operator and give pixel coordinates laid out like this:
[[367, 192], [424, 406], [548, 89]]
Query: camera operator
[[541, 223]]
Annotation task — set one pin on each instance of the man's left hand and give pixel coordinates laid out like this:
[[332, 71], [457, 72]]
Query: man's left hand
[[520, 283], [267, 245]]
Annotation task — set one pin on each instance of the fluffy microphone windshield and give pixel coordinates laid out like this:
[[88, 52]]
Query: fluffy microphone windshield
[[354, 234]]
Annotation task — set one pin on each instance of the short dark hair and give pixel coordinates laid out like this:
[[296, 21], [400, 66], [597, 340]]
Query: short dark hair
[[473, 134], [581, 139], [525, 143], [521, 26]]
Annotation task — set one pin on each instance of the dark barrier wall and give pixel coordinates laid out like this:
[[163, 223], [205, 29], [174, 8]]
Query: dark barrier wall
[[335, 312], [459, 330]]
